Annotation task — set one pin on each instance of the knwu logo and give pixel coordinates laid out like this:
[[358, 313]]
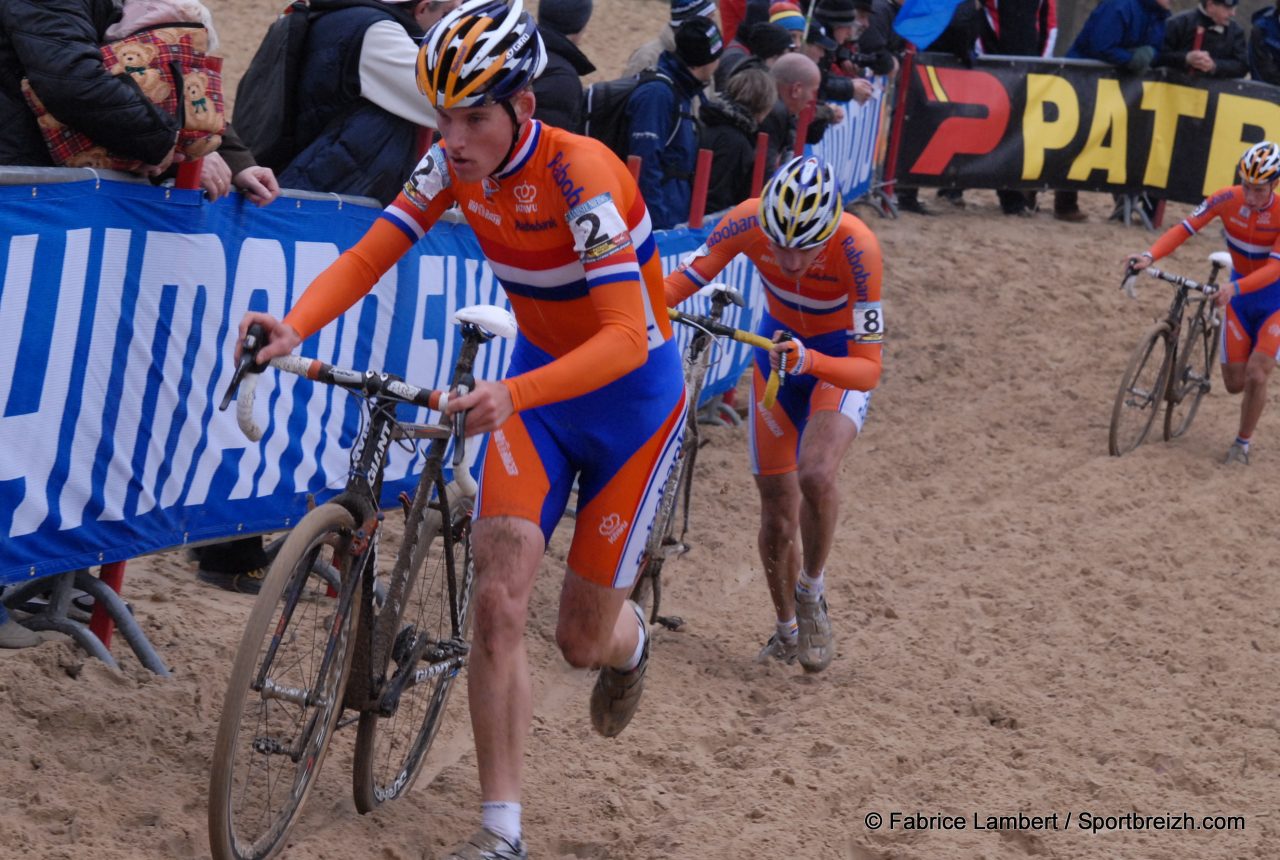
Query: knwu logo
[[525, 194], [613, 527]]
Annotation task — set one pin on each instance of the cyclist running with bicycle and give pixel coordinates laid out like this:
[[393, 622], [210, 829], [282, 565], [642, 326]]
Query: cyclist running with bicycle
[[594, 390], [1251, 299], [821, 271]]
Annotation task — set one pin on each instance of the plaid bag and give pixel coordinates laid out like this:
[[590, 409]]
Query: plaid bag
[[171, 65]]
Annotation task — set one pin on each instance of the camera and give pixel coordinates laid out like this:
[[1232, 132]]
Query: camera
[[835, 88]]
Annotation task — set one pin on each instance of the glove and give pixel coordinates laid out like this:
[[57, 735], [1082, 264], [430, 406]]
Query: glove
[[794, 359], [1141, 59]]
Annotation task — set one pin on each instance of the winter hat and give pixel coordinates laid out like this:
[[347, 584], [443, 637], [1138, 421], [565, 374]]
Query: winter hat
[[682, 9], [768, 40], [698, 41], [787, 15], [564, 16], [835, 13]]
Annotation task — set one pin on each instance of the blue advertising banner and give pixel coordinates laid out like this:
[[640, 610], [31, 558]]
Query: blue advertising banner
[[118, 312], [851, 145]]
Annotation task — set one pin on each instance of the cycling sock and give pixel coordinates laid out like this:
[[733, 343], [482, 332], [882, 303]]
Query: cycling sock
[[503, 818], [810, 586], [1243, 442], [639, 652], [789, 630]]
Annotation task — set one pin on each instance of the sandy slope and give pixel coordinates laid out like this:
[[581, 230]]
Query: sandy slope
[[1026, 624]]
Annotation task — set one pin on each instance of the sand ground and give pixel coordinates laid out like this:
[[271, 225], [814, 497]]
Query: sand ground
[[1026, 624]]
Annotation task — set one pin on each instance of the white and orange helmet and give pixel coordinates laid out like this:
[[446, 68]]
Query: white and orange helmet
[[482, 53]]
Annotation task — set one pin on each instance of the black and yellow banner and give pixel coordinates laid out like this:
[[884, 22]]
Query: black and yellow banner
[[1034, 123]]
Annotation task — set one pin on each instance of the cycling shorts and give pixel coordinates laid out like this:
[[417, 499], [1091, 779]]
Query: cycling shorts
[[775, 433], [1252, 324], [619, 442]]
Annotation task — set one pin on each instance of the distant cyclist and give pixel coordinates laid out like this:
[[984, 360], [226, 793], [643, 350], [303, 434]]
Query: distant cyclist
[[594, 392], [1251, 301], [821, 272]]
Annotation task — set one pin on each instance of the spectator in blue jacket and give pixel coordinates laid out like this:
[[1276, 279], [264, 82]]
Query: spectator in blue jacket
[[663, 131], [1264, 45], [359, 109], [1124, 33]]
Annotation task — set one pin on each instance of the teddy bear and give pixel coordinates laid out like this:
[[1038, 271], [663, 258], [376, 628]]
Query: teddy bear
[[201, 113], [134, 58]]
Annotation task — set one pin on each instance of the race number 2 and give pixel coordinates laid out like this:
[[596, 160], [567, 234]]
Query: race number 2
[[598, 229]]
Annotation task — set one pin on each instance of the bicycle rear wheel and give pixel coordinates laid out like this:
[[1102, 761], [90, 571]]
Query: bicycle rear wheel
[[1142, 390], [1192, 378], [391, 748], [283, 699]]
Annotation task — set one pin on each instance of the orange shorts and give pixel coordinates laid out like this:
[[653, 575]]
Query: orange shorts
[[775, 433]]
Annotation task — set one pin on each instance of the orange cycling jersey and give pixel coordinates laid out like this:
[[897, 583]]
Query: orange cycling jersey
[[839, 292], [1251, 236], [566, 233]]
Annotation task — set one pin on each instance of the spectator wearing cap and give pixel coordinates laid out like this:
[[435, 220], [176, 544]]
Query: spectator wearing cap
[[646, 56], [1206, 41], [559, 88], [359, 110], [1264, 45], [663, 132], [765, 44]]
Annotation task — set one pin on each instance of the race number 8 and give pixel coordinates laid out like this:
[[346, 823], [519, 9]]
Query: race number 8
[[868, 322]]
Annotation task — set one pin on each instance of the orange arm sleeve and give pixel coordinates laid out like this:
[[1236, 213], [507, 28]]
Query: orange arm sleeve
[[858, 371], [619, 347], [348, 279], [1259, 278]]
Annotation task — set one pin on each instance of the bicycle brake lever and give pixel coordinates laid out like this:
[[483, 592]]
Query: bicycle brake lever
[[466, 383], [254, 338], [782, 359]]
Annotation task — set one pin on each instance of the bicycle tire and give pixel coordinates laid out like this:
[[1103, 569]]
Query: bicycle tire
[[1192, 378], [1142, 392], [292, 595], [391, 750]]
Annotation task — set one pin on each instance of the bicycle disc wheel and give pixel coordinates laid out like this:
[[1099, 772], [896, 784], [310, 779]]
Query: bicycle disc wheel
[[1192, 378], [273, 736], [391, 749], [1142, 391]]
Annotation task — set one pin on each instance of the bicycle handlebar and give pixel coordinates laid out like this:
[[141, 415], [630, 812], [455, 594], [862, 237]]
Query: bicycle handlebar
[[1131, 277], [719, 329]]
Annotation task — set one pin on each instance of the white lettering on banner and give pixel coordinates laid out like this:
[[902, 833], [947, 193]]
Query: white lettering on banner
[[45, 423], [309, 260], [89, 432], [260, 265], [13, 306]]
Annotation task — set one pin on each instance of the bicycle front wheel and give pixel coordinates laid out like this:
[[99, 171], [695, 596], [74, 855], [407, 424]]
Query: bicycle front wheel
[[285, 692], [392, 743], [1142, 391], [1192, 378]]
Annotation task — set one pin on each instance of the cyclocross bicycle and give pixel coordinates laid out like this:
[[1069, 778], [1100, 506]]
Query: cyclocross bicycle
[[1165, 370], [386, 643], [667, 538]]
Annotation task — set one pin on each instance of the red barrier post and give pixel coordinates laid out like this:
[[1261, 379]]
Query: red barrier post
[[189, 174], [100, 623], [802, 128], [701, 178], [762, 155], [633, 164], [899, 110]]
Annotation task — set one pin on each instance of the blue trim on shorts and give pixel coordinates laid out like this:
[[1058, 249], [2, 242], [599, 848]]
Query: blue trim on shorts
[[794, 394], [1255, 308]]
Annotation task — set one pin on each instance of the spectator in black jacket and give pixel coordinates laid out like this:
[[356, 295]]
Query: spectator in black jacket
[[1206, 41], [54, 44], [1264, 45], [559, 87], [729, 126]]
